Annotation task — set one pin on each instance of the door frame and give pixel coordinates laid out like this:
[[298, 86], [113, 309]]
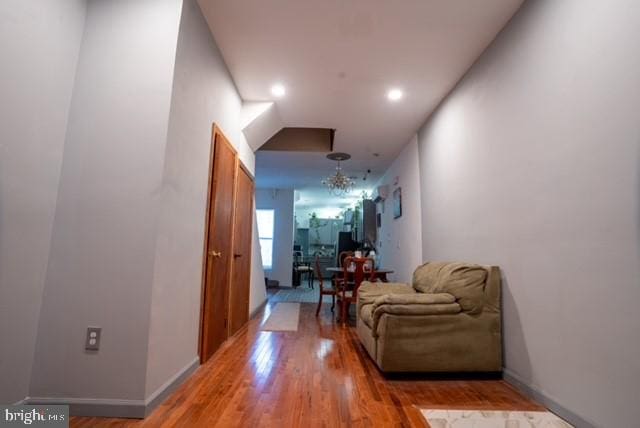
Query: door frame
[[210, 211]]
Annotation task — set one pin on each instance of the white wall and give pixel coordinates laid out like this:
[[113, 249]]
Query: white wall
[[532, 164], [303, 214], [104, 236], [280, 200], [258, 294], [103, 183], [39, 44], [399, 242], [203, 93]]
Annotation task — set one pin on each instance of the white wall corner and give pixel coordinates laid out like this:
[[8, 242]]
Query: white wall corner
[[251, 110], [259, 121]]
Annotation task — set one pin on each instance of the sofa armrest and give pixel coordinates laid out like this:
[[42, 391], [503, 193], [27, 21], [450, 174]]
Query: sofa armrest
[[418, 304], [368, 292], [414, 299]]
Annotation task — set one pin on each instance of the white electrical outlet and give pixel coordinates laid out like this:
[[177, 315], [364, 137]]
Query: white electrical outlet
[[92, 342]]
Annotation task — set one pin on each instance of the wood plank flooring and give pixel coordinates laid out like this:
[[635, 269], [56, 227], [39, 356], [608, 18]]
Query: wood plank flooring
[[319, 376]]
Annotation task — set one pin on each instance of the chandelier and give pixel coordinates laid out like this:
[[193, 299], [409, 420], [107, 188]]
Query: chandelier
[[338, 183]]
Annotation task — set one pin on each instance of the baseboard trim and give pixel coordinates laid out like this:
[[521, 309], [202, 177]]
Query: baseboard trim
[[162, 393], [102, 407], [257, 310], [542, 398], [114, 408]]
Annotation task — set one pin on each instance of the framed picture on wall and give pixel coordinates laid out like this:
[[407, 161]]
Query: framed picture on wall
[[397, 203]]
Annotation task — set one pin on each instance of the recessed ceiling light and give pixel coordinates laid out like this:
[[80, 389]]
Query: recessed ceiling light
[[278, 90], [394, 94]]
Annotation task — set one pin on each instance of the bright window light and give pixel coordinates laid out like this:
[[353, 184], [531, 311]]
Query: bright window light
[[278, 90], [395, 94], [265, 220]]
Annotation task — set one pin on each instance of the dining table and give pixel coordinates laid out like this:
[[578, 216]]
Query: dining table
[[380, 273]]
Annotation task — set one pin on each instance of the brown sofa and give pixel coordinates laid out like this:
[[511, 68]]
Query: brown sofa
[[448, 320]]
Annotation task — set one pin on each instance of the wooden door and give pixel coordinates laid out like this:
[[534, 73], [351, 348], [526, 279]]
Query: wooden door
[[218, 245], [241, 263]]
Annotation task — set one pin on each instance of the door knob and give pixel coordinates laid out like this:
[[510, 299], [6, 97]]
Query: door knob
[[215, 253], [237, 255]]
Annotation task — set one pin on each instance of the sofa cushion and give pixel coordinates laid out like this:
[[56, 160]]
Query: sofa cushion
[[465, 281], [425, 277]]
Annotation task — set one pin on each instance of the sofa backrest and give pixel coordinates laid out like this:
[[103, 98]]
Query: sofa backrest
[[473, 286], [426, 276], [492, 290]]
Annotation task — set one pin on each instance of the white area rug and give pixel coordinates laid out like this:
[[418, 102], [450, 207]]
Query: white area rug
[[492, 419], [284, 317], [300, 294]]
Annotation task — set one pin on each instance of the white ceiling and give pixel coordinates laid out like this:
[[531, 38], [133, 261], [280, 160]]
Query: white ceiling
[[338, 58]]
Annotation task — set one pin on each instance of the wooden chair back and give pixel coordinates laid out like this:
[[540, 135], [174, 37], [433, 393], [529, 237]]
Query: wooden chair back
[[357, 270], [343, 255]]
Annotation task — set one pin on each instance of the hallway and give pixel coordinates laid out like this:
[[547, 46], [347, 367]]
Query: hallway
[[163, 163], [317, 376]]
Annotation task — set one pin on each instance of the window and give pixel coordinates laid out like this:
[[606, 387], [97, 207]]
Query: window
[[265, 233]]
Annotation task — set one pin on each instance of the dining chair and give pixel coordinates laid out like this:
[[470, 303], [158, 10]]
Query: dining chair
[[338, 278], [354, 272], [330, 291], [343, 255], [300, 267]]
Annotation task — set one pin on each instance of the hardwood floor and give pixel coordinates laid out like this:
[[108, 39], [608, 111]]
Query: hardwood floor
[[319, 376]]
